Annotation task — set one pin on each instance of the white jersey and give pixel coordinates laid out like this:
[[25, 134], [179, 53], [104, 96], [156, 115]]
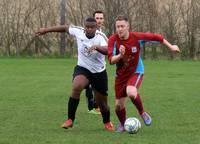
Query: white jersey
[[93, 61]]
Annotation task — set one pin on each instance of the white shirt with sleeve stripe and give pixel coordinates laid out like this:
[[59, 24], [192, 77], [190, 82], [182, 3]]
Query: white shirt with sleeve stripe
[[93, 61]]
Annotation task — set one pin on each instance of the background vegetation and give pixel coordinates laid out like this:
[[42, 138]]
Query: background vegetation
[[177, 20]]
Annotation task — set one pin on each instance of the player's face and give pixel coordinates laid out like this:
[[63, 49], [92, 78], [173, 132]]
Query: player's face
[[90, 29], [122, 29], [100, 19]]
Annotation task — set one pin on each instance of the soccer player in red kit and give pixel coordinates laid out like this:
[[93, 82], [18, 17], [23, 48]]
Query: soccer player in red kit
[[124, 50]]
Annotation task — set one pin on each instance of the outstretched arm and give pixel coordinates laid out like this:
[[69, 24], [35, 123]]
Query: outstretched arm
[[173, 48], [61, 28], [157, 37]]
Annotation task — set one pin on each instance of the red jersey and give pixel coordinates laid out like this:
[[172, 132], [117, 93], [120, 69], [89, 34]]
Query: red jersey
[[131, 62]]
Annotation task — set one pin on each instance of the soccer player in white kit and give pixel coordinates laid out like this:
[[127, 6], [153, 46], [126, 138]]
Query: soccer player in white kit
[[92, 105], [90, 69]]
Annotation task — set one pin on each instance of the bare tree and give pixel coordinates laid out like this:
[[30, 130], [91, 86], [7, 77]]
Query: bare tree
[[171, 17], [62, 22], [177, 20], [6, 5], [190, 15]]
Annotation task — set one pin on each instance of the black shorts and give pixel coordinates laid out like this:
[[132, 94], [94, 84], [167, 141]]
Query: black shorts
[[98, 81]]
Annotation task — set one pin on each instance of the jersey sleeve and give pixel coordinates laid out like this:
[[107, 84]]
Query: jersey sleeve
[[75, 30], [111, 48], [104, 40], [149, 37]]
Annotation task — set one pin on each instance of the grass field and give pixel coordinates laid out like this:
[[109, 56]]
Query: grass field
[[34, 93]]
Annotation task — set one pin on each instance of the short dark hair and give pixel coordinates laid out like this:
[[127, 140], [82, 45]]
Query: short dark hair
[[121, 17], [97, 11], [90, 19]]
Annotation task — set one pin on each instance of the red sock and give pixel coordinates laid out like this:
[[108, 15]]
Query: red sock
[[121, 115], [138, 103]]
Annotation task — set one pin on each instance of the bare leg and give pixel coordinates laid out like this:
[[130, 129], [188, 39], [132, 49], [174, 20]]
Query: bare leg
[[78, 85]]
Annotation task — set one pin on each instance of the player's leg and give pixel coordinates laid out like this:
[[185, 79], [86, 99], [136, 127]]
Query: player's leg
[[101, 100], [120, 97], [80, 81], [100, 85], [96, 107], [120, 112], [91, 101], [132, 92], [90, 97]]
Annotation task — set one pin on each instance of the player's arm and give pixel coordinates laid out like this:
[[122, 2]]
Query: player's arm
[[102, 49], [61, 28], [148, 36], [173, 48], [116, 58], [158, 38], [114, 55]]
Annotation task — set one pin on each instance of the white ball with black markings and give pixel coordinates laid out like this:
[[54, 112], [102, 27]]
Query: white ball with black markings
[[132, 125]]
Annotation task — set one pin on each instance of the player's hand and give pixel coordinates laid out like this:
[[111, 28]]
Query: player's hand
[[175, 48], [92, 48], [41, 31], [122, 50]]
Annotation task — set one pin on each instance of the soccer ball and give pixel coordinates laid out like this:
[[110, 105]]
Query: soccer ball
[[132, 125]]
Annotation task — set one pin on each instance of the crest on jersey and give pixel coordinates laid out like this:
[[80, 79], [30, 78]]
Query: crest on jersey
[[87, 52], [134, 49]]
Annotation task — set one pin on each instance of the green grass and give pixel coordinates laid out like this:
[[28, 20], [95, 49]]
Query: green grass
[[34, 93]]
